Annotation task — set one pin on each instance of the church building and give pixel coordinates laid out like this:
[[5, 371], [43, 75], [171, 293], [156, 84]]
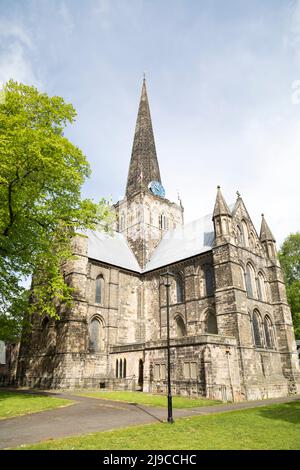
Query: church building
[[231, 331]]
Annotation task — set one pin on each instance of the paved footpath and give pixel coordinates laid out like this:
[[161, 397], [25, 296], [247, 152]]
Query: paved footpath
[[89, 415]]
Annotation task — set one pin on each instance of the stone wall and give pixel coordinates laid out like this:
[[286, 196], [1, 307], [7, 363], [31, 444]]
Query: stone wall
[[213, 346], [139, 218], [204, 365]]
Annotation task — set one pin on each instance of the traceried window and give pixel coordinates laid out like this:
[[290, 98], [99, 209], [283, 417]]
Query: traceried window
[[179, 289], [96, 335], [269, 333], [256, 323], [250, 280], [261, 291], [99, 290]]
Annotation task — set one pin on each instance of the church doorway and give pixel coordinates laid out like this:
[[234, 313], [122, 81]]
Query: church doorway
[[141, 374]]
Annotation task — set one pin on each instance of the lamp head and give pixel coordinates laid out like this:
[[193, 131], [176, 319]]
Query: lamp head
[[167, 278]]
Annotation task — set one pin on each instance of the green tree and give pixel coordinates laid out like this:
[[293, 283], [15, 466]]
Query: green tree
[[41, 209], [289, 256]]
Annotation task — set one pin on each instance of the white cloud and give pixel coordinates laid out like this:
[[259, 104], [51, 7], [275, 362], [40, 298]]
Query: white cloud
[[15, 31], [15, 59]]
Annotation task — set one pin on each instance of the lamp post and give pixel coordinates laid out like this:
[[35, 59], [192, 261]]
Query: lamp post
[[167, 283]]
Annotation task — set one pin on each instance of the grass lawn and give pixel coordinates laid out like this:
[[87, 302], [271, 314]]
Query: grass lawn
[[149, 399], [17, 404], [268, 427]]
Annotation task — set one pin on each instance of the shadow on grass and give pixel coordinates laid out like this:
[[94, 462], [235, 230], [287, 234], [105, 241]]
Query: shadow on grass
[[136, 405], [22, 394], [289, 412]]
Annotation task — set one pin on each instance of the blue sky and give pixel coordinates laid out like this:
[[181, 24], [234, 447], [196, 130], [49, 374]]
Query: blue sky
[[223, 80]]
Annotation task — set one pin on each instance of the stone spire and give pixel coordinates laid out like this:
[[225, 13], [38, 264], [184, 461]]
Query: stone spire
[[143, 164], [265, 232], [221, 207], [222, 219]]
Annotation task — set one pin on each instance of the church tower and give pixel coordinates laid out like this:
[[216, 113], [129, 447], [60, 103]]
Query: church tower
[[145, 215]]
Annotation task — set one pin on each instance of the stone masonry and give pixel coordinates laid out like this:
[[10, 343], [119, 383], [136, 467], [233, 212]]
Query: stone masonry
[[230, 324]]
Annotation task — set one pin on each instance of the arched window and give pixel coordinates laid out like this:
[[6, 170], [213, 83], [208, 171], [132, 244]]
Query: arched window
[[179, 289], [218, 227], [122, 221], [239, 236], [163, 222], [252, 240], [225, 225], [272, 252], [124, 368], [241, 277], [117, 368], [211, 323], [209, 280], [141, 374], [256, 323], [249, 280], [261, 291], [45, 324], [200, 275], [96, 335], [245, 233], [269, 333], [180, 327], [99, 290], [120, 368]]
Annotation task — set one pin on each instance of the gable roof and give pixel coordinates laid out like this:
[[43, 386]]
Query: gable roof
[[184, 242], [111, 249]]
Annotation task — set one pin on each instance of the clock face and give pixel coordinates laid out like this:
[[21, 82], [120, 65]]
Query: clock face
[[157, 189]]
